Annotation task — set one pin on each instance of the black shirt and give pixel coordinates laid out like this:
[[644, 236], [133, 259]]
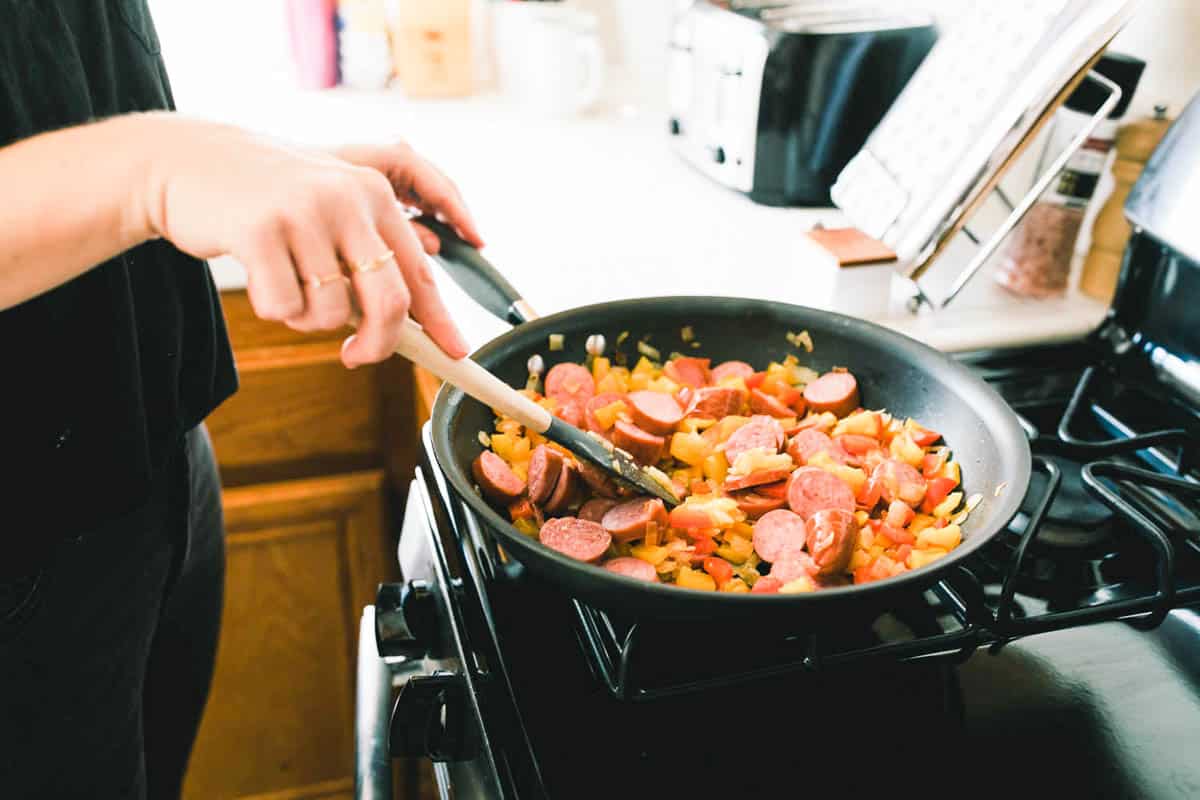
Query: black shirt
[[100, 377]]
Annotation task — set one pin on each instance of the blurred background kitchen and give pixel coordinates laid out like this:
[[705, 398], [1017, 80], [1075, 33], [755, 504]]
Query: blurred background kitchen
[[571, 129]]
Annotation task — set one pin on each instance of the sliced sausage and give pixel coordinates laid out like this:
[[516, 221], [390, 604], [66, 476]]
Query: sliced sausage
[[834, 391], [778, 534], [565, 490], [899, 481], [731, 369], [577, 538], [592, 405], [629, 520], [754, 505], [832, 537], [570, 381], [760, 431], [793, 566], [811, 489], [545, 465], [757, 478], [655, 412], [715, 402], [763, 403], [595, 509], [495, 478], [599, 481], [633, 568], [646, 448], [807, 443], [693, 372], [572, 413]]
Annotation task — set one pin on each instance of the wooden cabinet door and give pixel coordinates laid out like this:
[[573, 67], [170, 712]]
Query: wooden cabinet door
[[303, 558]]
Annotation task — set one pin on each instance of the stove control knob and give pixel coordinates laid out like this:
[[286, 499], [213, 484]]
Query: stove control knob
[[433, 719], [405, 618]]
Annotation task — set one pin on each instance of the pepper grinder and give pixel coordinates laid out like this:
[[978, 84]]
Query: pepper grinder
[[1111, 232]]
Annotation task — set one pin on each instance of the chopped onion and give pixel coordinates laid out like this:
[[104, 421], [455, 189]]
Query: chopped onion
[[674, 354], [686, 333], [556, 341], [649, 352], [801, 339], [972, 501], [622, 336], [1003, 485], [660, 478], [695, 345], [484, 439]]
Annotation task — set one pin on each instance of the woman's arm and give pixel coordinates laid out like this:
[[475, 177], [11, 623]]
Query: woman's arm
[[291, 216]]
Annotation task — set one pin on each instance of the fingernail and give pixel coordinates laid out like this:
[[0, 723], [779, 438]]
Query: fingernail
[[346, 346]]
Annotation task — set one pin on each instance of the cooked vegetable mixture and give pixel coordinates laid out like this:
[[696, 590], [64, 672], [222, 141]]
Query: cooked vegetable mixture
[[788, 484]]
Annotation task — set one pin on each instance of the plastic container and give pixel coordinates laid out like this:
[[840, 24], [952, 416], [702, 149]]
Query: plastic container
[[1036, 261], [313, 42]]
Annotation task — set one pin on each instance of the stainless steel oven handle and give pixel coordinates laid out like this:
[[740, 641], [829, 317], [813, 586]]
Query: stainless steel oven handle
[[372, 710]]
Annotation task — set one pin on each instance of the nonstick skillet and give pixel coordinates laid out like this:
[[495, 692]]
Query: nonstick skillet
[[895, 372]]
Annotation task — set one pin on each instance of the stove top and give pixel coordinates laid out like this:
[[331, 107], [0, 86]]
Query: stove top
[[574, 702]]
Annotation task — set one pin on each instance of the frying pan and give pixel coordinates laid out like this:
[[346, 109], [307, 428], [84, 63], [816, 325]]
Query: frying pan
[[895, 372]]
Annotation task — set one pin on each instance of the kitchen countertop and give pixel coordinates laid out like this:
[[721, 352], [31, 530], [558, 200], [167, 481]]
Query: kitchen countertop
[[600, 208]]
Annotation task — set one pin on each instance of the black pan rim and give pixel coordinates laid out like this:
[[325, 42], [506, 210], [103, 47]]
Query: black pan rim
[[987, 399]]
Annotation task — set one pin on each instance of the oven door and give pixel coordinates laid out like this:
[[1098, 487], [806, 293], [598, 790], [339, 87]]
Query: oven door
[[413, 697]]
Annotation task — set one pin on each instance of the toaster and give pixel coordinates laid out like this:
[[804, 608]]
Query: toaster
[[773, 99]]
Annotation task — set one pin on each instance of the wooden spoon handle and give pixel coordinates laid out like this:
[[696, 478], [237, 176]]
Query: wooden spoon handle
[[417, 347]]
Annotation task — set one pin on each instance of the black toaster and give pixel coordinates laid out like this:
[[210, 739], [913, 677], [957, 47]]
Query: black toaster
[[773, 99]]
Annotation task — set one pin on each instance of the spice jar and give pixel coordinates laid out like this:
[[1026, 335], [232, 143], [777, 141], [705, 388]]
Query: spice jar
[[1037, 258]]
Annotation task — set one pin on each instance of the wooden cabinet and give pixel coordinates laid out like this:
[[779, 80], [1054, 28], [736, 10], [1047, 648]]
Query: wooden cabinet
[[314, 460]]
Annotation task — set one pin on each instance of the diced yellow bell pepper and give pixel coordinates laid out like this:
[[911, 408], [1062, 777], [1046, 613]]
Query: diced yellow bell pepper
[[864, 423], [866, 538], [736, 585], [919, 558], [607, 415], [800, 585], [690, 578], [715, 467], [861, 517], [615, 382], [502, 445], [855, 478], [691, 448], [734, 382], [946, 538], [646, 367], [824, 421], [526, 526], [737, 549], [950, 470], [860, 558], [947, 506], [600, 368], [520, 468], [663, 384], [725, 428], [905, 449], [920, 522], [649, 553], [744, 530]]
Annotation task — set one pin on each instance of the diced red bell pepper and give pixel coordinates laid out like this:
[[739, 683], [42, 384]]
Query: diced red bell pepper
[[923, 436], [705, 545], [800, 406], [700, 486], [902, 552], [788, 395], [690, 518], [868, 496], [720, 569], [938, 489], [932, 463], [755, 380], [896, 535], [857, 444], [941, 522]]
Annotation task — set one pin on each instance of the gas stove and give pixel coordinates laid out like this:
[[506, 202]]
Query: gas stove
[[1063, 660]]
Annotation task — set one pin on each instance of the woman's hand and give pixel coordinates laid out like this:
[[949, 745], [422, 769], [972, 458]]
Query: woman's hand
[[294, 216]]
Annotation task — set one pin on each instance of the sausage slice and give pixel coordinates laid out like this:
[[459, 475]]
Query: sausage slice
[[833, 391], [832, 537], [595, 509], [811, 489], [757, 478], [632, 568], [599, 481], [591, 406], [545, 465], [715, 402], [731, 369], [577, 538], [763, 403], [646, 448], [792, 566], [564, 489], [693, 372], [655, 412], [760, 431], [778, 534], [629, 520], [754, 505], [496, 478]]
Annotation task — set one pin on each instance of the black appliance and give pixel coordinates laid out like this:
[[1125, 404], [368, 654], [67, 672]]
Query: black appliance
[[515, 690], [774, 98]]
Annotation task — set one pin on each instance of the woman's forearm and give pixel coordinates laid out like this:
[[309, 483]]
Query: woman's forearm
[[72, 199]]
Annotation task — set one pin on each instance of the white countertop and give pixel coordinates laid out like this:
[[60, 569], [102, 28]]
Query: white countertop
[[600, 208]]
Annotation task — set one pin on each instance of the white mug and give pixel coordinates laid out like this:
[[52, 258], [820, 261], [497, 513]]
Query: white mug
[[548, 57]]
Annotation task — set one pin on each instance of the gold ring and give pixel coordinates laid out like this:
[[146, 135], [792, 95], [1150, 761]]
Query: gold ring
[[372, 264], [317, 281]]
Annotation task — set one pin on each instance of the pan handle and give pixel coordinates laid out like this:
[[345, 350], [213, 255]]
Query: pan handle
[[477, 277]]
